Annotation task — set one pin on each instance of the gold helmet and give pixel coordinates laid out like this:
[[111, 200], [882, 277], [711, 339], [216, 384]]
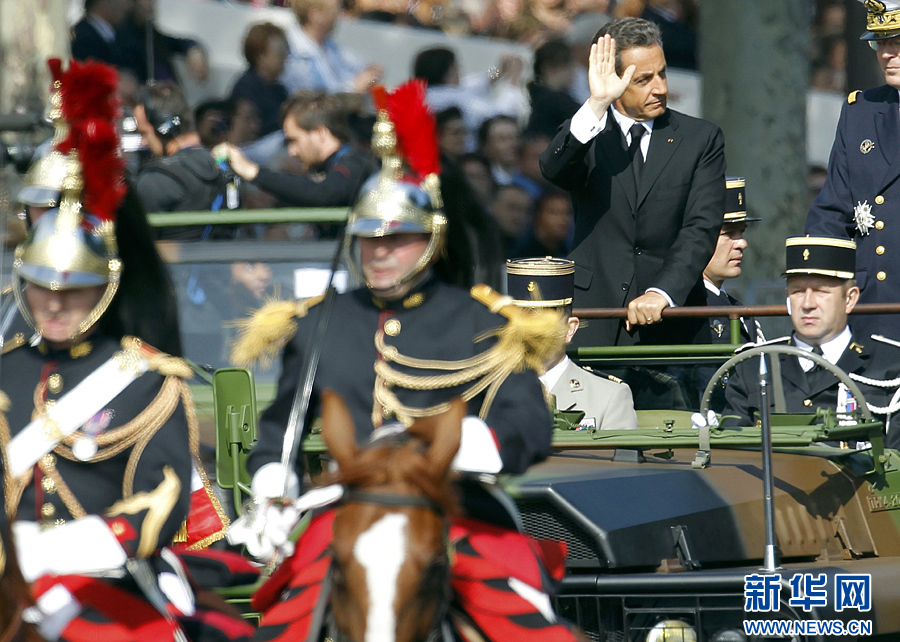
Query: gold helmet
[[74, 245], [45, 177], [405, 196]]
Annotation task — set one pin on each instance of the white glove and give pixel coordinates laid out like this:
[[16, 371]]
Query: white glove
[[477, 449], [52, 612], [269, 482], [266, 524], [83, 546], [264, 529], [697, 420]]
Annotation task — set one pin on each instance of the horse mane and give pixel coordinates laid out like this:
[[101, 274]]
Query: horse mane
[[396, 463]]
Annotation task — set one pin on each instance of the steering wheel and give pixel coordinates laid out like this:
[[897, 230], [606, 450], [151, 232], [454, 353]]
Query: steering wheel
[[785, 349]]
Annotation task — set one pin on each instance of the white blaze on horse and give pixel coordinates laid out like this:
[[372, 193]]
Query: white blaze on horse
[[390, 569]]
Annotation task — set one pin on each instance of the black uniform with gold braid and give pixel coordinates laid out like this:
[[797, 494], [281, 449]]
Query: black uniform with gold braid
[[99, 431], [871, 361], [399, 356]]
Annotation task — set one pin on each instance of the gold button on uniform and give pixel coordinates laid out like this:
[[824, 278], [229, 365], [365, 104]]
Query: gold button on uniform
[[392, 327], [881, 276], [48, 461], [879, 225], [48, 511], [55, 383], [48, 485], [807, 403], [879, 249], [879, 199]]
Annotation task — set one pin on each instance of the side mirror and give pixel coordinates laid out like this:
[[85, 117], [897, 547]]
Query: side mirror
[[234, 403]]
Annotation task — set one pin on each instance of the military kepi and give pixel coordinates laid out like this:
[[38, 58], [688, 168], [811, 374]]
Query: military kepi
[[820, 256], [882, 19], [541, 282], [736, 201]]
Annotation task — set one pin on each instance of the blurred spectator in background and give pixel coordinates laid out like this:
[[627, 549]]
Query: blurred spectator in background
[[551, 15], [315, 60], [529, 174], [213, 119], [183, 177], [94, 36], [552, 229], [477, 171], [244, 123], [498, 141], [131, 38], [551, 103], [479, 96], [582, 35], [316, 131], [451, 131], [676, 20], [265, 48], [830, 68], [512, 212]]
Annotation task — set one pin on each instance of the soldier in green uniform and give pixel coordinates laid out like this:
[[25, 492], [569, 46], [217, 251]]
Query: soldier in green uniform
[[821, 293], [605, 401]]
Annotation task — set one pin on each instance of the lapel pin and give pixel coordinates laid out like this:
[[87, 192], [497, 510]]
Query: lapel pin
[[671, 140], [866, 146]]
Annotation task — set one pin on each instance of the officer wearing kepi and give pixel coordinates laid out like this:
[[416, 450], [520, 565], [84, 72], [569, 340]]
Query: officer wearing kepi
[[398, 349], [821, 293], [99, 428], [603, 400], [861, 196]]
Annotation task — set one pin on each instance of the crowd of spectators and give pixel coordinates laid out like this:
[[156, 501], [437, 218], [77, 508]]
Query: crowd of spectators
[[493, 124]]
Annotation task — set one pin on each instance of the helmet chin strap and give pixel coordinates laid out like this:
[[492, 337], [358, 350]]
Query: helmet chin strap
[[402, 287]]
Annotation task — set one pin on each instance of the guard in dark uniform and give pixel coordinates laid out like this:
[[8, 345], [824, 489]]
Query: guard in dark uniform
[[99, 429], [726, 264], [861, 197], [399, 349], [603, 401], [821, 293]]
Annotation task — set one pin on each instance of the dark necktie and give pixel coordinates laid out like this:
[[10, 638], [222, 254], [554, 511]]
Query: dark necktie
[[634, 151]]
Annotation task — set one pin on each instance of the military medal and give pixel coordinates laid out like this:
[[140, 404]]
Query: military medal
[[862, 214], [85, 446]]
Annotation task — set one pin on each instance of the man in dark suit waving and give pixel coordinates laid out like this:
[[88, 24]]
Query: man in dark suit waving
[[648, 185]]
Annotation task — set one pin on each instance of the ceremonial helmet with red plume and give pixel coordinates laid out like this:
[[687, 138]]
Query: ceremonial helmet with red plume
[[74, 245], [44, 179], [405, 196]]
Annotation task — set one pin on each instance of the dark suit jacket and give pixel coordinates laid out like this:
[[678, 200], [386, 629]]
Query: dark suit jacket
[[806, 391], [88, 43], [664, 239], [864, 168]]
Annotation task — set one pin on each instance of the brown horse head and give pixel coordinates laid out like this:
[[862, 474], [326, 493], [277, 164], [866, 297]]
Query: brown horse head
[[390, 562]]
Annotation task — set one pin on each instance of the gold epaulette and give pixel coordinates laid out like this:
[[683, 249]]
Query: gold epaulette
[[530, 336], [164, 364], [266, 331], [852, 96], [15, 341]]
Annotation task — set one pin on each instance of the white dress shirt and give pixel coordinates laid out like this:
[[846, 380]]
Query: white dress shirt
[[831, 350]]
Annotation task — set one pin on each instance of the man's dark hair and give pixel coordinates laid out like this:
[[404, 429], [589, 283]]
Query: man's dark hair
[[630, 33], [475, 157], [484, 131], [313, 109], [445, 116], [432, 65], [550, 193], [553, 54], [167, 110], [256, 42]]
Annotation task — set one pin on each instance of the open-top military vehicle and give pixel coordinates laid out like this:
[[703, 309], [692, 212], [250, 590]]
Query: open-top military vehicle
[[663, 524]]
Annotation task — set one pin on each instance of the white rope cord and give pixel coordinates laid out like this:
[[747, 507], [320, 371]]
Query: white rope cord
[[888, 410], [876, 383]]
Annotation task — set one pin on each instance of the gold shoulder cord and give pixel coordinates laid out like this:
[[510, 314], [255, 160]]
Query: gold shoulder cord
[[138, 433], [523, 342]]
